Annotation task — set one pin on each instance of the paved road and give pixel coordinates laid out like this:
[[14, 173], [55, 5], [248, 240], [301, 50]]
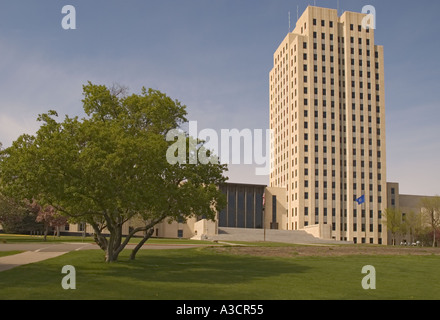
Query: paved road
[[35, 252]]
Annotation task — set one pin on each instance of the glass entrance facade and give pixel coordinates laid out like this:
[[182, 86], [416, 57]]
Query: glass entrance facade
[[244, 208]]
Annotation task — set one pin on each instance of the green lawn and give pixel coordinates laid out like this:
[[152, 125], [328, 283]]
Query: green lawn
[[204, 273], [8, 253]]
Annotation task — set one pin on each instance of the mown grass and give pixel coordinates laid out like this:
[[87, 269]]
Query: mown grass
[[203, 273], [9, 253]]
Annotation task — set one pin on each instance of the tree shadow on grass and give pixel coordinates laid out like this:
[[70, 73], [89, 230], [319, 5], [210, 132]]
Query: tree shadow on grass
[[155, 274], [202, 266]]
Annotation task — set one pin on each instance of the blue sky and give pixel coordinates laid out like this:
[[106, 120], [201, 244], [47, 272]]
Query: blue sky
[[214, 56]]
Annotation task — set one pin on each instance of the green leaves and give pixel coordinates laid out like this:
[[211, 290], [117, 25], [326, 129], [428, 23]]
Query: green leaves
[[112, 164]]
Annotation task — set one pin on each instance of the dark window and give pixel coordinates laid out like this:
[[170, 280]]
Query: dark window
[[274, 208], [240, 207], [231, 213], [250, 220], [259, 209]]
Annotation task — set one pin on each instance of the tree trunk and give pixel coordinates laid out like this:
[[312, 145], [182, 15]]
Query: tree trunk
[[147, 236], [110, 255], [100, 240], [114, 244], [46, 231]]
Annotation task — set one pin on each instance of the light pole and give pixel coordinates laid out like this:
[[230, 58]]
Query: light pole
[[264, 216], [264, 225]]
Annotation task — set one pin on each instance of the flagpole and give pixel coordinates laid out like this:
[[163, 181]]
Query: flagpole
[[365, 221], [361, 201]]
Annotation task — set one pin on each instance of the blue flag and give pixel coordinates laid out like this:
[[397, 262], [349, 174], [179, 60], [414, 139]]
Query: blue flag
[[361, 199]]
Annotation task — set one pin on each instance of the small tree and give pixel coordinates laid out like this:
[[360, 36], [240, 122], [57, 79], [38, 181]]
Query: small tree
[[393, 221], [430, 207], [16, 217], [414, 225], [49, 217], [403, 229]]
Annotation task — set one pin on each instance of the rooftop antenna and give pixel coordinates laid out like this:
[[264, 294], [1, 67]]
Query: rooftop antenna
[[338, 8], [289, 21], [297, 13]]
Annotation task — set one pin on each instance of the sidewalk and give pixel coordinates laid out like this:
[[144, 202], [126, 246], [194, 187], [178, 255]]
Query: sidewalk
[[27, 257]]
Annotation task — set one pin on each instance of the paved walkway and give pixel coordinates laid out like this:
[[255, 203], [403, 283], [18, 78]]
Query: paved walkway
[[35, 252], [27, 257]]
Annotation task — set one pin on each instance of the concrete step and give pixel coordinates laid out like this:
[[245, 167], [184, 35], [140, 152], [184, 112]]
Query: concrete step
[[255, 235]]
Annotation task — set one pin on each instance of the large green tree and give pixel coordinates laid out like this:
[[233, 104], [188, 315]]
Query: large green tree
[[111, 166]]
